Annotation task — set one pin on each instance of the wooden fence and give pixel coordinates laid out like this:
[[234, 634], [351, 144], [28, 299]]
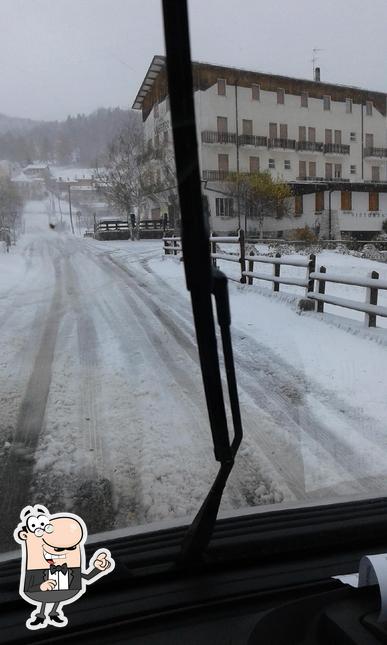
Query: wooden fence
[[370, 307], [313, 282]]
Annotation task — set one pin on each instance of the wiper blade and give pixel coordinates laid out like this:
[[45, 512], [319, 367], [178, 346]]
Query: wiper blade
[[203, 281]]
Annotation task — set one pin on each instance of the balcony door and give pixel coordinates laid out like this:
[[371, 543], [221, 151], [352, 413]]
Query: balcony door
[[222, 124]]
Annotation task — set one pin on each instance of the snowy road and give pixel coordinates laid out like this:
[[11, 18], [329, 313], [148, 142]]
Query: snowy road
[[103, 412]]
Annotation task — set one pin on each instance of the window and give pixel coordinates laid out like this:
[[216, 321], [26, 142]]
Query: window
[[223, 163], [348, 106], [328, 171], [328, 136], [283, 131], [338, 137], [304, 99], [369, 140], [319, 202], [353, 170], [224, 207], [254, 164], [312, 135], [299, 205], [353, 136], [271, 163], [221, 87], [221, 123], [338, 170], [280, 96], [312, 169], [255, 92], [272, 130], [327, 102], [346, 200], [156, 110], [301, 133], [287, 165], [302, 169], [375, 173], [369, 106], [373, 201], [247, 127]]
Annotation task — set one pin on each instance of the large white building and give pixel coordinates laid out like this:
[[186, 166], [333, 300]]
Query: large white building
[[327, 141]]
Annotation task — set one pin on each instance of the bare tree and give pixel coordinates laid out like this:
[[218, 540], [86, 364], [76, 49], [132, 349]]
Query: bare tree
[[11, 208], [133, 175]]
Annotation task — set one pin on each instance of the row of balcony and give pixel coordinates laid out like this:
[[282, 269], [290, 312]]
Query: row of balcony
[[211, 136], [223, 175]]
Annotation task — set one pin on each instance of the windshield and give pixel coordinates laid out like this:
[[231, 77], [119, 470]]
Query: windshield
[[103, 408]]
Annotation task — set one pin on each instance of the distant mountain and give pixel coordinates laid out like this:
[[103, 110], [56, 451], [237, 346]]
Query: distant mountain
[[15, 124], [77, 140]]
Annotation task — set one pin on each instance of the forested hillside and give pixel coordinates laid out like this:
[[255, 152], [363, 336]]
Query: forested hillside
[[80, 139]]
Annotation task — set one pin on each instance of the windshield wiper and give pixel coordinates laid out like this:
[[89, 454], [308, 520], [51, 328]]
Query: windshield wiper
[[203, 280]]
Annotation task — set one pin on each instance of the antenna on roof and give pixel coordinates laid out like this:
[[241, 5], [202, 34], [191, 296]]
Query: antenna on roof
[[314, 61]]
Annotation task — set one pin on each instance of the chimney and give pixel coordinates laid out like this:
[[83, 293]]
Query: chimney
[[317, 74]]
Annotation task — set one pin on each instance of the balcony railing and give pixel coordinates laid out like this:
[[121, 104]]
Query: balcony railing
[[282, 143], [252, 140], [215, 175], [336, 149], [308, 178], [310, 146], [375, 152], [212, 136]]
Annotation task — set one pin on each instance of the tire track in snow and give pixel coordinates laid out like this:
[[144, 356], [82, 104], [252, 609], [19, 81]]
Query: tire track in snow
[[280, 391], [17, 474]]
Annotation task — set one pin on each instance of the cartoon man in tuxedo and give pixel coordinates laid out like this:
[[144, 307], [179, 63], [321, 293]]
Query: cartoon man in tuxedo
[[53, 553]]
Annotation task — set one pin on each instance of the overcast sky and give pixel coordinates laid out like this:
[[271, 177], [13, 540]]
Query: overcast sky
[[60, 57]]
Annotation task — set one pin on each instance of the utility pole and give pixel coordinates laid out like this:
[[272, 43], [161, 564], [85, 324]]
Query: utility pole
[[237, 153], [71, 213]]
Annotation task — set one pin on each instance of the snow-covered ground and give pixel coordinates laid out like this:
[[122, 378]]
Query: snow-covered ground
[[103, 411]]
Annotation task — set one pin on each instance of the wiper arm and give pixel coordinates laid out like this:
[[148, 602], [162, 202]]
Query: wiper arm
[[202, 280]]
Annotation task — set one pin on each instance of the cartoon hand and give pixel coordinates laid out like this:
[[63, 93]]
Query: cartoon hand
[[102, 562], [48, 585]]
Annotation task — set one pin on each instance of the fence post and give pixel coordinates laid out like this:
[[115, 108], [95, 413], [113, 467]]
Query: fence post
[[371, 299], [276, 273], [242, 254], [321, 289], [174, 241], [213, 250], [310, 269], [251, 269]]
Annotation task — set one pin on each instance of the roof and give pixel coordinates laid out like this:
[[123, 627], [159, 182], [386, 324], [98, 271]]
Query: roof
[[209, 72], [157, 64]]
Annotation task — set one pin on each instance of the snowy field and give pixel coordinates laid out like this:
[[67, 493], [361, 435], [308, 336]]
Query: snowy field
[[103, 412]]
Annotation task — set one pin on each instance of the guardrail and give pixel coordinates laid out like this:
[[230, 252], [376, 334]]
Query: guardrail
[[111, 225], [370, 307], [314, 282], [309, 262]]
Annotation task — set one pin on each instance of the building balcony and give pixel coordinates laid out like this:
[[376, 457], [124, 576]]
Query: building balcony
[[284, 144], [336, 149], [212, 136], [375, 152], [215, 175], [308, 178], [252, 140], [310, 146]]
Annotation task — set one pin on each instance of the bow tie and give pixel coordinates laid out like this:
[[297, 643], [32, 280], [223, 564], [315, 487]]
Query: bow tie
[[62, 568]]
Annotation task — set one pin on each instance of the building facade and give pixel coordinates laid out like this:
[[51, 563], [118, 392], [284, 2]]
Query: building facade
[[328, 142]]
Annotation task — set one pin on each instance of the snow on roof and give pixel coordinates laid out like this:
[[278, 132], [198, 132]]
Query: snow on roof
[[70, 173]]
